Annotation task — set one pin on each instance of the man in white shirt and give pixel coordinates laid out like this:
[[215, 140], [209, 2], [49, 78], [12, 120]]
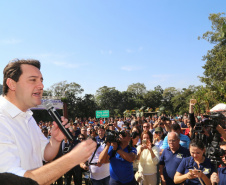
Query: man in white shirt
[[22, 144]]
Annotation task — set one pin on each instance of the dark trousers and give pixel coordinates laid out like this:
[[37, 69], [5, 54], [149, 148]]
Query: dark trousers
[[114, 182], [76, 172], [104, 181]]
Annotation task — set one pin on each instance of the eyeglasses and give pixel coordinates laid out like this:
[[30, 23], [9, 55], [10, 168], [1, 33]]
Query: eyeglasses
[[172, 141], [146, 126], [81, 138]]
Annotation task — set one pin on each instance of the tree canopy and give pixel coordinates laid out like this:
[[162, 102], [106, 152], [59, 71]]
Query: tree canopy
[[215, 66]]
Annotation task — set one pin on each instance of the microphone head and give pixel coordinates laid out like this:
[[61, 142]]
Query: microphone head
[[47, 104]]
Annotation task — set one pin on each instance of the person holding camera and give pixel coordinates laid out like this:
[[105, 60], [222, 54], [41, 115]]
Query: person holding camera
[[220, 177], [195, 169], [121, 157], [148, 157]]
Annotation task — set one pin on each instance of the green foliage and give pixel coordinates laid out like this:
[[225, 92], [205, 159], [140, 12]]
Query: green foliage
[[205, 99], [1, 89], [138, 89], [63, 89], [153, 98], [215, 66], [85, 107], [108, 98], [181, 99]]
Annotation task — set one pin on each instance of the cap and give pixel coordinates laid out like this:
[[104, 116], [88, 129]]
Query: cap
[[158, 129]]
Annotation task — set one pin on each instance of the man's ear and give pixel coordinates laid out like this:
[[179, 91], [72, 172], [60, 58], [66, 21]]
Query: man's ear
[[11, 84]]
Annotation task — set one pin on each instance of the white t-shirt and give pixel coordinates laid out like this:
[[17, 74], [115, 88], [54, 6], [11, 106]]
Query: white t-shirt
[[101, 172], [120, 123], [22, 143]]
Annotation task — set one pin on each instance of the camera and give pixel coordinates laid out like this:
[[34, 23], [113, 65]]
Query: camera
[[213, 150], [113, 136]]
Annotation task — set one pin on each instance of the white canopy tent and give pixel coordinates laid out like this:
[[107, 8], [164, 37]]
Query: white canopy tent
[[219, 107]]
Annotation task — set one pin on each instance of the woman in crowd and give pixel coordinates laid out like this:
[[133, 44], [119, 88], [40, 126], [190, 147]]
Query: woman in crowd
[[188, 130], [158, 137], [138, 130], [195, 169], [148, 157]]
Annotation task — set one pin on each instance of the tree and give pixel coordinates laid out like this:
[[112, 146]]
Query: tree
[[1, 89], [153, 98], [139, 89], [68, 93], [181, 99], [168, 95], [108, 98], [63, 89], [215, 66], [127, 102], [85, 107]]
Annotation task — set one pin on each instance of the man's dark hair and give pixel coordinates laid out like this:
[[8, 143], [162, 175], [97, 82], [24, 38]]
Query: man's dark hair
[[11, 179], [175, 127], [101, 127], [13, 71]]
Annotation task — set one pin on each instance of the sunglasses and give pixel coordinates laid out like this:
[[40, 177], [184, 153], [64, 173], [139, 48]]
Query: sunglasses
[[158, 132], [81, 138], [146, 126]]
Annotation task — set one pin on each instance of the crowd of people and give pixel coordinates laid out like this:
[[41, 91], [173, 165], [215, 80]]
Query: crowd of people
[[116, 151], [144, 150]]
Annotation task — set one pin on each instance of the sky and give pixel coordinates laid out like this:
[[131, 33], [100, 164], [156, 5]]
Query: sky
[[112, 43]]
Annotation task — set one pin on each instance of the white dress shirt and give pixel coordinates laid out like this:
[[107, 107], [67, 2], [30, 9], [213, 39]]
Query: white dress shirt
[[22, 143]]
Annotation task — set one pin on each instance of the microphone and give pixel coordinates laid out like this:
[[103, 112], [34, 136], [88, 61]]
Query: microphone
[[57, 118]]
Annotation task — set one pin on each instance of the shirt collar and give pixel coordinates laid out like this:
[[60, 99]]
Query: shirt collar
[[13, 110]]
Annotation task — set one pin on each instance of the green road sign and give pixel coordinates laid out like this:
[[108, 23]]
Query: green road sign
[[102, 113]]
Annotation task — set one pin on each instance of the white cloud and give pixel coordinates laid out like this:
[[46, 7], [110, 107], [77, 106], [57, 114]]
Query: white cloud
[[106, 52], [10, 41], [160, 78], [67, 64], [130, 68], [129, 51]]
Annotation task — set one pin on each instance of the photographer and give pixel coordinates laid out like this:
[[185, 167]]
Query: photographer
[[121, 157], [220, 177], [163, 122]]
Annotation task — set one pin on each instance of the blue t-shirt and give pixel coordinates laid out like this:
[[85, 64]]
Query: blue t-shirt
[[222, 176], [184, 141], [189, 163], [171, 161], [120, 169]]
